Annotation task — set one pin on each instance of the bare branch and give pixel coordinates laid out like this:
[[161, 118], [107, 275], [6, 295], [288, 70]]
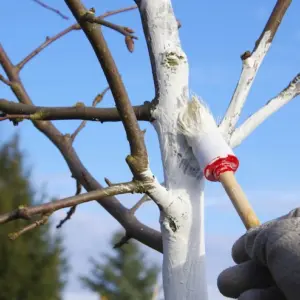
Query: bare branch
[[50, 207], [97, 100], [138, 161], [76, 26], [251, 64], [124, 240], [132, 225], [47, 42], [284, 97], [32, 226], [117, 11], [72, 210], [4, 80], [144, 199], [108, 182], [78, 112], [51, 8], [90, 17]]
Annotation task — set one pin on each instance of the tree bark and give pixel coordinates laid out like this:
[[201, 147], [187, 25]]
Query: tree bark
[[182, 222]]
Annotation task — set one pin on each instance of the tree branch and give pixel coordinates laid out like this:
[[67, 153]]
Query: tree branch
[[284, 97], [144, 199], [28, 212], [4, 80], [99, 20], [97, 100], [138, 160], [31, 112], [251, 64], [72, 210], [51, 8], [132, 225], [76, 26]]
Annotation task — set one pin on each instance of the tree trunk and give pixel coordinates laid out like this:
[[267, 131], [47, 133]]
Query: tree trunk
[[182, 222]]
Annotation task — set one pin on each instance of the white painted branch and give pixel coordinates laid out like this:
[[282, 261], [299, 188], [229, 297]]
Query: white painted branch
[[182, 222], [250, 68], [288, 94], [158, 193]]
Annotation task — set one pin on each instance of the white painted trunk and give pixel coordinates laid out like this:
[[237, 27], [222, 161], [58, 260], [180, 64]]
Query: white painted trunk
[[182, 215], [182, 222]]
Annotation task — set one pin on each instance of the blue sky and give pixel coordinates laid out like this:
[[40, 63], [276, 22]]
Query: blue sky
[[214, 34]]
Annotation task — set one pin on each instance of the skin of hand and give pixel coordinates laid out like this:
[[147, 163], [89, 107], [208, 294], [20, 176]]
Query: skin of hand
[[268, 262]]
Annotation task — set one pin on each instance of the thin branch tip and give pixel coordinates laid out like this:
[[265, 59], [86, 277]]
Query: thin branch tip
[[58, 12]]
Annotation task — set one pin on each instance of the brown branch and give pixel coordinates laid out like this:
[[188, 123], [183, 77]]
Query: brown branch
[[50, 207], [47, 42], [138, 161], [51, 8], [15, 118], [72, 210], [31, 112], [97, 100], [117, 11], [76, 26], [124, 240], [274, 20], [4, 80], [132, 225], [32, 226], [90, 17], [144, 199]]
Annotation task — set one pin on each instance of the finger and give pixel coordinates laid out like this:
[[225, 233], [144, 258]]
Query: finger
[[238, 251], [272, 293], [242, 250], [295, 213], [234, 281]]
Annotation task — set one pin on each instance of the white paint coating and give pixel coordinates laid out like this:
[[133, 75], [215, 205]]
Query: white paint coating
[[182, 221], [249, 71], [262, 114], [199, 127]]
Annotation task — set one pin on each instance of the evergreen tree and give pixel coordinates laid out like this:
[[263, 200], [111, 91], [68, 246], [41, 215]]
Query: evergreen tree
[[32, 266], [123, 276]]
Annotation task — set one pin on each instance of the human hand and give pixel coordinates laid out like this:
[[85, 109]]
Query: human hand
[[268, 262]]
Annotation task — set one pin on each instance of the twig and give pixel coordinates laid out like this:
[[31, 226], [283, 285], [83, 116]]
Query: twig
[[251, 64], [47, 42], [50, 207], [31, 112], [90, 17], [138, 160], [51, 8], [108, 182], [97, 100], [144, 199], [14, 118], [284, 97], [124, 240], [72, 210], [117, 11], [32, 226], [4, 80], [50, 40]]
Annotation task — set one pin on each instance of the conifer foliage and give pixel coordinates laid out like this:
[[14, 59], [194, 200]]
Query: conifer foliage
[[33, 265], [123, 274]]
